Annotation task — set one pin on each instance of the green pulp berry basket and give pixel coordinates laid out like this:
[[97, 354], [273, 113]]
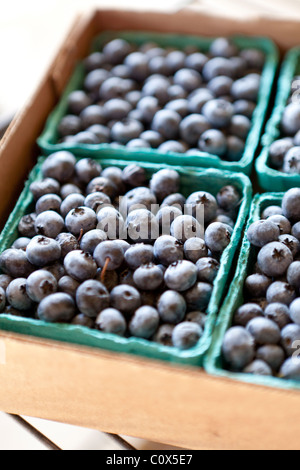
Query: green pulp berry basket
[[49, 140], [191, 180], [271, 179], [214, 364]]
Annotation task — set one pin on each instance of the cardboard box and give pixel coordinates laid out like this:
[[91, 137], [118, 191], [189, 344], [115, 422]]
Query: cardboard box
[[112, 392]]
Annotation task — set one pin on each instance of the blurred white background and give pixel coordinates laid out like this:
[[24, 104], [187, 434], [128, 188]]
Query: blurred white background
[[31, 32]]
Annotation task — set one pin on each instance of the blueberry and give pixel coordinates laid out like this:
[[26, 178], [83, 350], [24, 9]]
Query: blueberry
[[218, 112], [235, 148], [256, 285], [40, 284], [109, 254], [92, 297], [175, 60], [274, 259], [176, 92], [138, 64], [67, 243], [153, 138], [175, 199], [270, 211], [238, 348], [138, 255], [254, 57], [82, 320], [198, 98], [142, 226], [228, 197], [148, 277], [96, 201], [240, 126], [220, 86], [208, 269], [264, 331], [111, 321], [186, 335], [80, 265], [291, 162], [111, 222], [172, 146], [69, 189], [137, 198], [26, 225], [42, 251], [157, 86], [258, 367], [115, 174], [68, 285], [278, 150], [281, 292], [272, 355], [84, 137], [69, 125], [5, 279], [203, 200], [197, 317], [246, 87], [165, 216], [77, 101], [194, 249], [185, 227], [192, 127], [21, 243], [91, 239], [213, 141], [86, 169], [45, 186], [94, 79], [196, 61], [291, 242], [59, 166], [198, 296], [17, 296], [56, 268], [167, 122], [163, 335], [293, 274], [93, 114], [72, 201], [181, 275], [116, 50], [262, 232], [125, 298], [217, 66], [296, 230], [290, 337], [247, 312], [244, 107], [291, 204], [290, 369], [168, 250], [217, 237], [290, 121], [2, 299], [171, 307], [144, 322], [282, 222], [188, 79], [80, 220], [57, 308], [126, 277], [294, 311], [134, 175], [126, 130], [48, 202], [223, 47], [102, 185], [49, 223], [180, 106]]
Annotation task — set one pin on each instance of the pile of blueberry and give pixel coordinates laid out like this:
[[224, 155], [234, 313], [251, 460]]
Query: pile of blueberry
[[284, 153], [166, 99], [118, 251], [265, 337]]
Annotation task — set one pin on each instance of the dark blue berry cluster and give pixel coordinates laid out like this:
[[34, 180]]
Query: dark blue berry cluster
[[265, 336], [183, 101], [114, 249]]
